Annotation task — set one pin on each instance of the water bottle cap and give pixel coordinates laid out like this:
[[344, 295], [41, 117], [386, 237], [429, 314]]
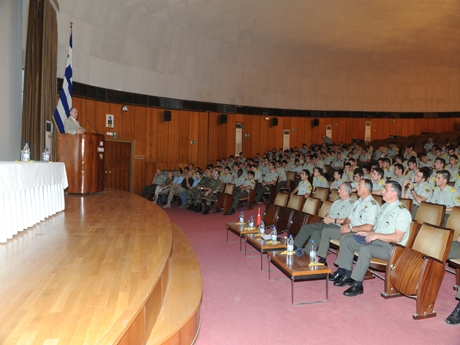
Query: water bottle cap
[[312, 241]]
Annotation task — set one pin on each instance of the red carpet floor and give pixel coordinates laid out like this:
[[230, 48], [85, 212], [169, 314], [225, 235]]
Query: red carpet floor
[[241, 306]]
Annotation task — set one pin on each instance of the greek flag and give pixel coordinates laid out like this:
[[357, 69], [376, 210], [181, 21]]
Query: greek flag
[[62, 111]]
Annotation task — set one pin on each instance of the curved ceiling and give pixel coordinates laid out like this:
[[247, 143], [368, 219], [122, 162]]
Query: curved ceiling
[[292, 54]]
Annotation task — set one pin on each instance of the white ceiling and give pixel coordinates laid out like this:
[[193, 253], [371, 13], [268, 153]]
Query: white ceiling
[[300, 54]]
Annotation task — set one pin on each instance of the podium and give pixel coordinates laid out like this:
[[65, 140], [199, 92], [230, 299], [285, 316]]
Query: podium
[[83, 156]]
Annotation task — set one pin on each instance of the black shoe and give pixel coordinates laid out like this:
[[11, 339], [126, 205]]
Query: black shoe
[[344, 281], [206, 209], [355, 290], [232, 211], [198, 208], [190, 207], [454, 318], [335, 277]]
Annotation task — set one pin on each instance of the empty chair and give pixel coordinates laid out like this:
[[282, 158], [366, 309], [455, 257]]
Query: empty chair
[[430, 213], [354, 196], [271, 211], [418, 269], [299, 218], [224, 200], [290, 177], [285, 214], [321, 193]]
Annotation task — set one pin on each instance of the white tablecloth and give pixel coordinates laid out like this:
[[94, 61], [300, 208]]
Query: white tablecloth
[[29, 193]]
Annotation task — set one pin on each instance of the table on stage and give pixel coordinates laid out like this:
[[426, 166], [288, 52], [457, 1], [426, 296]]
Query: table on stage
[[29, 193]]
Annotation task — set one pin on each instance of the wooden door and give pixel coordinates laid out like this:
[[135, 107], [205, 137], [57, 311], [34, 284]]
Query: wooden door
[[117, 165]]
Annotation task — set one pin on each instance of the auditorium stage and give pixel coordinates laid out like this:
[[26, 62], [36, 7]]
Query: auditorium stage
[[97, 273]]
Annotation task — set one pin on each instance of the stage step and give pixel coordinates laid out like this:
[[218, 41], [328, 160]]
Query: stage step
[[179, 319]]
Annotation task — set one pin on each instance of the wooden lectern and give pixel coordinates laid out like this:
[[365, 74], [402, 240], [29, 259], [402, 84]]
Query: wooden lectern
[[83, 155]]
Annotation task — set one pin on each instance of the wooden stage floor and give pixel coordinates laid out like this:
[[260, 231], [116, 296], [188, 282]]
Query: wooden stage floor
[[82, 275]]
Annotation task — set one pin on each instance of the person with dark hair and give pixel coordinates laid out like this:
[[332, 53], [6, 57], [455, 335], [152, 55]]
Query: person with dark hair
[[398, 172], [418, 191], [268, 180], [444, 194], [357, 176], [304, 186], [318, 179], [378, 182], [243, 191], [338, 180], [453, 167], [392, 225], [439, 164], [412, 169]]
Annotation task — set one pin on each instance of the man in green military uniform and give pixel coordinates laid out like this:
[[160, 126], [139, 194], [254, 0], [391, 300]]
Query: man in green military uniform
[[210, 195], [196, 194], [444, 194], [393, 225]]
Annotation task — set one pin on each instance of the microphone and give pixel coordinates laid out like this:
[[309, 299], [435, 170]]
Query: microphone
[[89, 123]]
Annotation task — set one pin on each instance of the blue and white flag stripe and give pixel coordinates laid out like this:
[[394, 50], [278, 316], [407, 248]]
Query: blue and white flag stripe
[[62, 111]]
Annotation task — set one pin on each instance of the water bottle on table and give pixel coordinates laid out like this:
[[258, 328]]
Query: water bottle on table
[[274, 235], [262, 227], [313, 257], [290, 245], [251, 222], [241, 218]]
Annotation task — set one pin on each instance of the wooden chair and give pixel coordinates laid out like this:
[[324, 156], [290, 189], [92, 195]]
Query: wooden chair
[[271, 211], [321, 193], [407, 203], [378, 265], [417, 270], [378, 199], [453, 222], [334, 195], [225, 199], [430, 213], [299, 218], [354, 196], [327, 171], [271, 194], [251, 196], [284, 216], [290, 177]]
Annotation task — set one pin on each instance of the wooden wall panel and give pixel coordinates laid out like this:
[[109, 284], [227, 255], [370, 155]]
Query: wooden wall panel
[[167, 144], [214, 139], [184, 138]]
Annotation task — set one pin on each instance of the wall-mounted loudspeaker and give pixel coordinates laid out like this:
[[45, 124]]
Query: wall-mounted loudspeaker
[[167, 115], [223, 118], [275, 121], [315, 123]]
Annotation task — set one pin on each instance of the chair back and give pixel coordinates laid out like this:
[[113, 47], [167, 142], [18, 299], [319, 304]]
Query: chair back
[[407, 203], [281, 199], [430, 213], [325, 207], [378, 199], [311, 205], [229, 188], [321, 193], [354, 196], [453, 222], [432, 241], [291, 175], [295, 202], [334, 195]]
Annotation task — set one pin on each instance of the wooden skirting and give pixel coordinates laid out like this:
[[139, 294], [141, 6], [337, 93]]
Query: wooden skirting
[[96, 273]]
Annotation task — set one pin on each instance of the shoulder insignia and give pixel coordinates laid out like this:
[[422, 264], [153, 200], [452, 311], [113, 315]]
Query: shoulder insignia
[[320, 178], [452, 190], [402, 206], [458, 177], [373, 202], [427, 190], [382, 182], [309, 187], [433, 179], [457, 199]]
